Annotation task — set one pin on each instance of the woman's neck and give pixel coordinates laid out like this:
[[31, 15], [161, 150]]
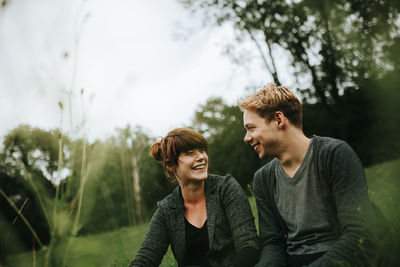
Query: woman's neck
[[192, 192]]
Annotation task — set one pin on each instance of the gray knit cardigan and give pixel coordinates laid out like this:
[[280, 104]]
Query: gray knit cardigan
[[230, 224]]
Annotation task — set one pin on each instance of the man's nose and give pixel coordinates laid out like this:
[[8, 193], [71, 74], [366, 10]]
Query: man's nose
[[247, 138]]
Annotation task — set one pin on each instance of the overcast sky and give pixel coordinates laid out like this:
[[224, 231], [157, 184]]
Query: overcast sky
[[139, 62]]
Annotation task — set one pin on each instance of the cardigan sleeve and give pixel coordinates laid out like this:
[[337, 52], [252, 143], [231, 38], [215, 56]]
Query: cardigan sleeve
[[240, 216], [273, 246], [155, 243], [350, 195]]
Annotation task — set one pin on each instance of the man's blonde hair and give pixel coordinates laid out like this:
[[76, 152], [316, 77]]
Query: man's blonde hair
[[272, 98]]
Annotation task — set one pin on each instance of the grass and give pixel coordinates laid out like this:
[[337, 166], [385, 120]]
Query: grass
[[384, 189], [117, 248]]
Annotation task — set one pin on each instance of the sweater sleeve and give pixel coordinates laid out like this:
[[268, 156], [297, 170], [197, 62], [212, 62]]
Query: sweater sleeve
[[240, 217], [247, 257], [155, 243], [273, 246], [350, 196]]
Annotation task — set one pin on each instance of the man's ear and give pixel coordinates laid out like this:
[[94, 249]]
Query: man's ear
[[280, 119]]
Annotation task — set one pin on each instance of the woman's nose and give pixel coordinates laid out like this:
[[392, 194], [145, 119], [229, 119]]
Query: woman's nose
[[200, 154]]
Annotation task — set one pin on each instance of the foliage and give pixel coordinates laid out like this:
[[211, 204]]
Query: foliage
[[338, 43], [345, 51], [155, 185], [28, 163], [372, 117], [64, 188]]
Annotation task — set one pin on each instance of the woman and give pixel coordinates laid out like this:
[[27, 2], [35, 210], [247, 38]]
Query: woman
[[207, 218]]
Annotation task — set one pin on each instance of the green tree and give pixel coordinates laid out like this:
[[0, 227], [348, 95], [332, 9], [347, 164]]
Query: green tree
[[337, 43], [30, 160], [341, 47]]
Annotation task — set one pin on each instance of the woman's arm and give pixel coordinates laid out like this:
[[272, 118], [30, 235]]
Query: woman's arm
[[155, 243], [241, 222]]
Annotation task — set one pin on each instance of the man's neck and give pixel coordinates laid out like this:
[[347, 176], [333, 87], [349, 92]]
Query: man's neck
[[293, 151]]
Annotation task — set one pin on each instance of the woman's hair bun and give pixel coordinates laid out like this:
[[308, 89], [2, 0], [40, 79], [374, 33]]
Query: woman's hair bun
[[155, 151]]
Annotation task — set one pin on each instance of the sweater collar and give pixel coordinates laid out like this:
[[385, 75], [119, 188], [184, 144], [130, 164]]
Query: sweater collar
[[177, 199]]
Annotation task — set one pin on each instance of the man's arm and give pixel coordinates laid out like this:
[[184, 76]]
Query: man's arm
[[350, 195], [273, 244]]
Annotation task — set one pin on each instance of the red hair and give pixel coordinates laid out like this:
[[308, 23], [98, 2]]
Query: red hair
[[167, 150]]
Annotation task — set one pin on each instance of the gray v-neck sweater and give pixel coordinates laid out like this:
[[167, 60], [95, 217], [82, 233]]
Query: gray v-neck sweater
[[300, 204], [324, 207]]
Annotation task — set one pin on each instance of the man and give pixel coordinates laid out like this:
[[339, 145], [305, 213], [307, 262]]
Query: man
[[312, 198]]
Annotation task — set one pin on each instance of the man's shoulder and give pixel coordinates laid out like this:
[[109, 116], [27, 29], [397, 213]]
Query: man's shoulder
[[263, 173], [327, 141], [325, 144]]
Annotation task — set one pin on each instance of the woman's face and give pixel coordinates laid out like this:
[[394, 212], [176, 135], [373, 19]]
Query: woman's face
[[192, 166]]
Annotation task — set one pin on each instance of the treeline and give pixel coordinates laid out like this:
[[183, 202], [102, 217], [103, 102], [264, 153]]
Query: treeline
[[55, 188]]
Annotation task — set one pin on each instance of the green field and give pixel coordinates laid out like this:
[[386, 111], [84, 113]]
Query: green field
[[118, 248]]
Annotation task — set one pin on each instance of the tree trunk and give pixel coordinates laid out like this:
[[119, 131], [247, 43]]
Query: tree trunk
[[136, 188]]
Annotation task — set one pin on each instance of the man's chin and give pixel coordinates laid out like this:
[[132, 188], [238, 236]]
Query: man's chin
[[261, 155]]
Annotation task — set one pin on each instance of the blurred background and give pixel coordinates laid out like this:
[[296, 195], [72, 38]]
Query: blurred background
[[87, 86]]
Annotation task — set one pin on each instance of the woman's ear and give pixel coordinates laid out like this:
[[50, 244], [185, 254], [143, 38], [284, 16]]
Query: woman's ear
[[169, 166]]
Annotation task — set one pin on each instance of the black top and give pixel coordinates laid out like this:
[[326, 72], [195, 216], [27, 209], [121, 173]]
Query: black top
[[197, 248], [196, 245]]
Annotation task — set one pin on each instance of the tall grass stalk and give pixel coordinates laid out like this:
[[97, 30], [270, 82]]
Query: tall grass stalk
[[33, 253], [14, 221], [53, 230], [59, 167], [83, 175], [22, 217], [28, 177], [81, 189]]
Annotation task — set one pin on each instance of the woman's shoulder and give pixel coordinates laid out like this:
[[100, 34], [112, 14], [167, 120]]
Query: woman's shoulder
[[215, 178], [169, 200], [222, 181]]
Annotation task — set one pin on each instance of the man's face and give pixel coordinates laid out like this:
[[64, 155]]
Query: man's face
[[260, 134]]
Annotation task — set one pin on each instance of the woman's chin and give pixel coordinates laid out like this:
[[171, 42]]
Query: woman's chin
[[201, 176]]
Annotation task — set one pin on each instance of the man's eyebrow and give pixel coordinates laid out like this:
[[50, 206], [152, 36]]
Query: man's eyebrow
[[248, 125]]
